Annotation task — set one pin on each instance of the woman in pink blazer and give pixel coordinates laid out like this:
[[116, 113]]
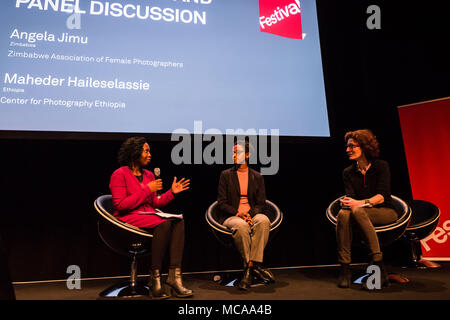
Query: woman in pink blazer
[[133, 190]]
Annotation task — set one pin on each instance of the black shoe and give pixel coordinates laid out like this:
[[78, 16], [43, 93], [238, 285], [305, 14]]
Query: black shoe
[[156, 290], [264, 274], [247, 277], [176, 284], [384, 277], [345, 276]]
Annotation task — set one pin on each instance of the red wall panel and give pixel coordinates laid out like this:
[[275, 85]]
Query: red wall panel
[[426, 137]]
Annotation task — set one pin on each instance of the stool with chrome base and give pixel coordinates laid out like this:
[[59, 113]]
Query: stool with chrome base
[[425, 218], [223, 234], [387, 233], [124, 239]]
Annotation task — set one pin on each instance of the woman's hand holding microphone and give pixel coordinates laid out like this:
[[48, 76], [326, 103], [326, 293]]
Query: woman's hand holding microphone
[[155, 185]]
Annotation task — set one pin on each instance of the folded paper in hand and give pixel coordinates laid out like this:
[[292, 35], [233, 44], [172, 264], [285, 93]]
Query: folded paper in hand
[[165, 215]]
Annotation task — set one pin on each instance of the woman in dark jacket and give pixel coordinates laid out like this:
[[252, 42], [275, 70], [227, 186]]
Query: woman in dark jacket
[[242, 198], [367, 202]]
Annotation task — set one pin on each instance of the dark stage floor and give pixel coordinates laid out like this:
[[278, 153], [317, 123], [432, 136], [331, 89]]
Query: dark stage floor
[[291, 284]]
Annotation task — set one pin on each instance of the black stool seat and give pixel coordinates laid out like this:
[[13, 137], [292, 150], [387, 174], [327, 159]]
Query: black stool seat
[[121, 237], [124, 239], [223, 234], [386, 233], [425, 218], [213, 213]]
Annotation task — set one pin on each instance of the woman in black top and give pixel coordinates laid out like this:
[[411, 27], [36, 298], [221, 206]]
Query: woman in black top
[[367, 202]]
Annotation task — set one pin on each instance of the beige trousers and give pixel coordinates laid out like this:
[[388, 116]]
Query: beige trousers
[[250, 241]]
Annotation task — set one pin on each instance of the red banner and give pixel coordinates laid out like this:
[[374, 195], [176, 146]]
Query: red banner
[[426, 137], [281, 17]]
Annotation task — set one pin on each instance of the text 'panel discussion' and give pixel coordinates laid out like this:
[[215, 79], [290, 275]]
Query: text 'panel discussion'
[[224, 158]]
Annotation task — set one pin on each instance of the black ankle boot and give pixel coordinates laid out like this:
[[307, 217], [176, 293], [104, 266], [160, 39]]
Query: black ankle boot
[[383, 273], [175, 282], [263, 273], [345, 276], [247, 278], [156, 290]]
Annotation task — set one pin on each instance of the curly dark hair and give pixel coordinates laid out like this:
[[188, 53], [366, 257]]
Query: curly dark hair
[[248, 147], [367, 141], [131, 150]]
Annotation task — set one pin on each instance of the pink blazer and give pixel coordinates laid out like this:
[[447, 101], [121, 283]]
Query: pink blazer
[[130, 197]]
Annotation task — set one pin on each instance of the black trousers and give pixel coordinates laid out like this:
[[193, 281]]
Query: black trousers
[[170, 234], [365, 218]]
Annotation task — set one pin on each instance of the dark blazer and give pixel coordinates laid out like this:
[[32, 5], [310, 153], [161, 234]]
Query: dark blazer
[[229, 193]]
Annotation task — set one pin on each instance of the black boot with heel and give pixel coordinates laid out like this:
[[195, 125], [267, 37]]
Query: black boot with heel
[[175, 283], [247, 278], [384, 277], [264, 274], [345, 276], [156, 290]]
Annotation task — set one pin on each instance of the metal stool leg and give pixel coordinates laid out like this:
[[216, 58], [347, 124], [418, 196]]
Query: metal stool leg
[[128, 289]]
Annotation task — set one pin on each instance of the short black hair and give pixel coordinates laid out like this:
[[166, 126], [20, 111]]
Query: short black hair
[[131, 150], [248, 147]]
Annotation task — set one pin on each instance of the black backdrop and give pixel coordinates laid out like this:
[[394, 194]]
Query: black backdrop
[[49, 184]]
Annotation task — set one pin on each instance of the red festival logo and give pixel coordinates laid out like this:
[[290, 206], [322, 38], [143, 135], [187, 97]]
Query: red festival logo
[[281, 17]]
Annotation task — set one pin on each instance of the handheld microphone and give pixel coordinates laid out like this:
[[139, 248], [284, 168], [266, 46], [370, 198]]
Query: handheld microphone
[[157, 173]]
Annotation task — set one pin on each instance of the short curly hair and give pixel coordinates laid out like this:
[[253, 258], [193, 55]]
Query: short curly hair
[[367, 141], [248, 147], [131, 150]]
